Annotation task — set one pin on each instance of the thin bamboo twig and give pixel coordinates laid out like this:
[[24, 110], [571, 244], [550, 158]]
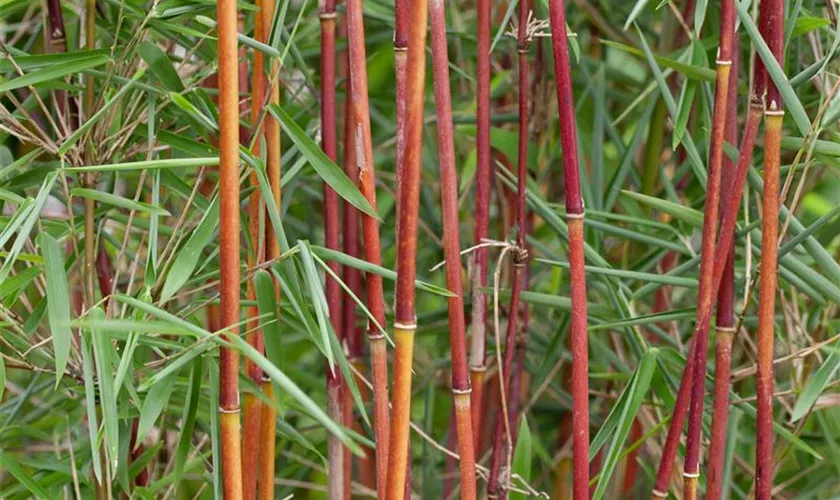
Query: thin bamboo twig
[[363, 160], [478, 321], [452, 249], [772, 12], [725, 318], [575, 215], [706, 294], [229, 246], [502, 435], [405, 321]]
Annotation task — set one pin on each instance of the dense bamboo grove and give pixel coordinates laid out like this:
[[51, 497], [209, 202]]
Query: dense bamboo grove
[[419, 249]]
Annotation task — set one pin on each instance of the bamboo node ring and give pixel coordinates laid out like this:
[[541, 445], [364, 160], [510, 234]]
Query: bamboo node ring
[[692, 475], [659, 494], [405, 326], [725, 329], [376, 336], [721, 62], [460, 392], [580, 215], [326, 16], [225, 410]]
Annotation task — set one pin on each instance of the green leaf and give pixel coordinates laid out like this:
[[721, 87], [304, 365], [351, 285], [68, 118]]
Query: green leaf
[[326, 168], [54, 72], [626, 414], [104, 375], [688, 215], [187, 258], [58, 301], [521, 464], [90, 406], [188, 419], [117, 201], [815, 386], [211, 161], [16, 471], [153, 404], [26, 225], [193, 112], [2, 376], [281, 379], [161, 66], [694, 72]]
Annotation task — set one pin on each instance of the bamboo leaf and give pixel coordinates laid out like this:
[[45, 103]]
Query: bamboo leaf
[[16, 471], [326, 168], [58, 301], [521, 465], [160, 66], [187, 258], [688, 215], [117, 201], [815, 386], [149, 165], [105, 378], [54, 72], [626, 415]]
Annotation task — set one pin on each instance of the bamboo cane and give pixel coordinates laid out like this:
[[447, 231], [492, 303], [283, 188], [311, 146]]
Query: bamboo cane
[[363, 158], [405, 323], [575, 215], [482, 218], [229, 246], [772, 12], [452, 249], [725, 318], [706, 293]]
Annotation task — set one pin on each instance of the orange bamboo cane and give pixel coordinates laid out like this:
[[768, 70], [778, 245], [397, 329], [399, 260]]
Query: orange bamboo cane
[[405, 323], [229, 246], [772, 13]]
